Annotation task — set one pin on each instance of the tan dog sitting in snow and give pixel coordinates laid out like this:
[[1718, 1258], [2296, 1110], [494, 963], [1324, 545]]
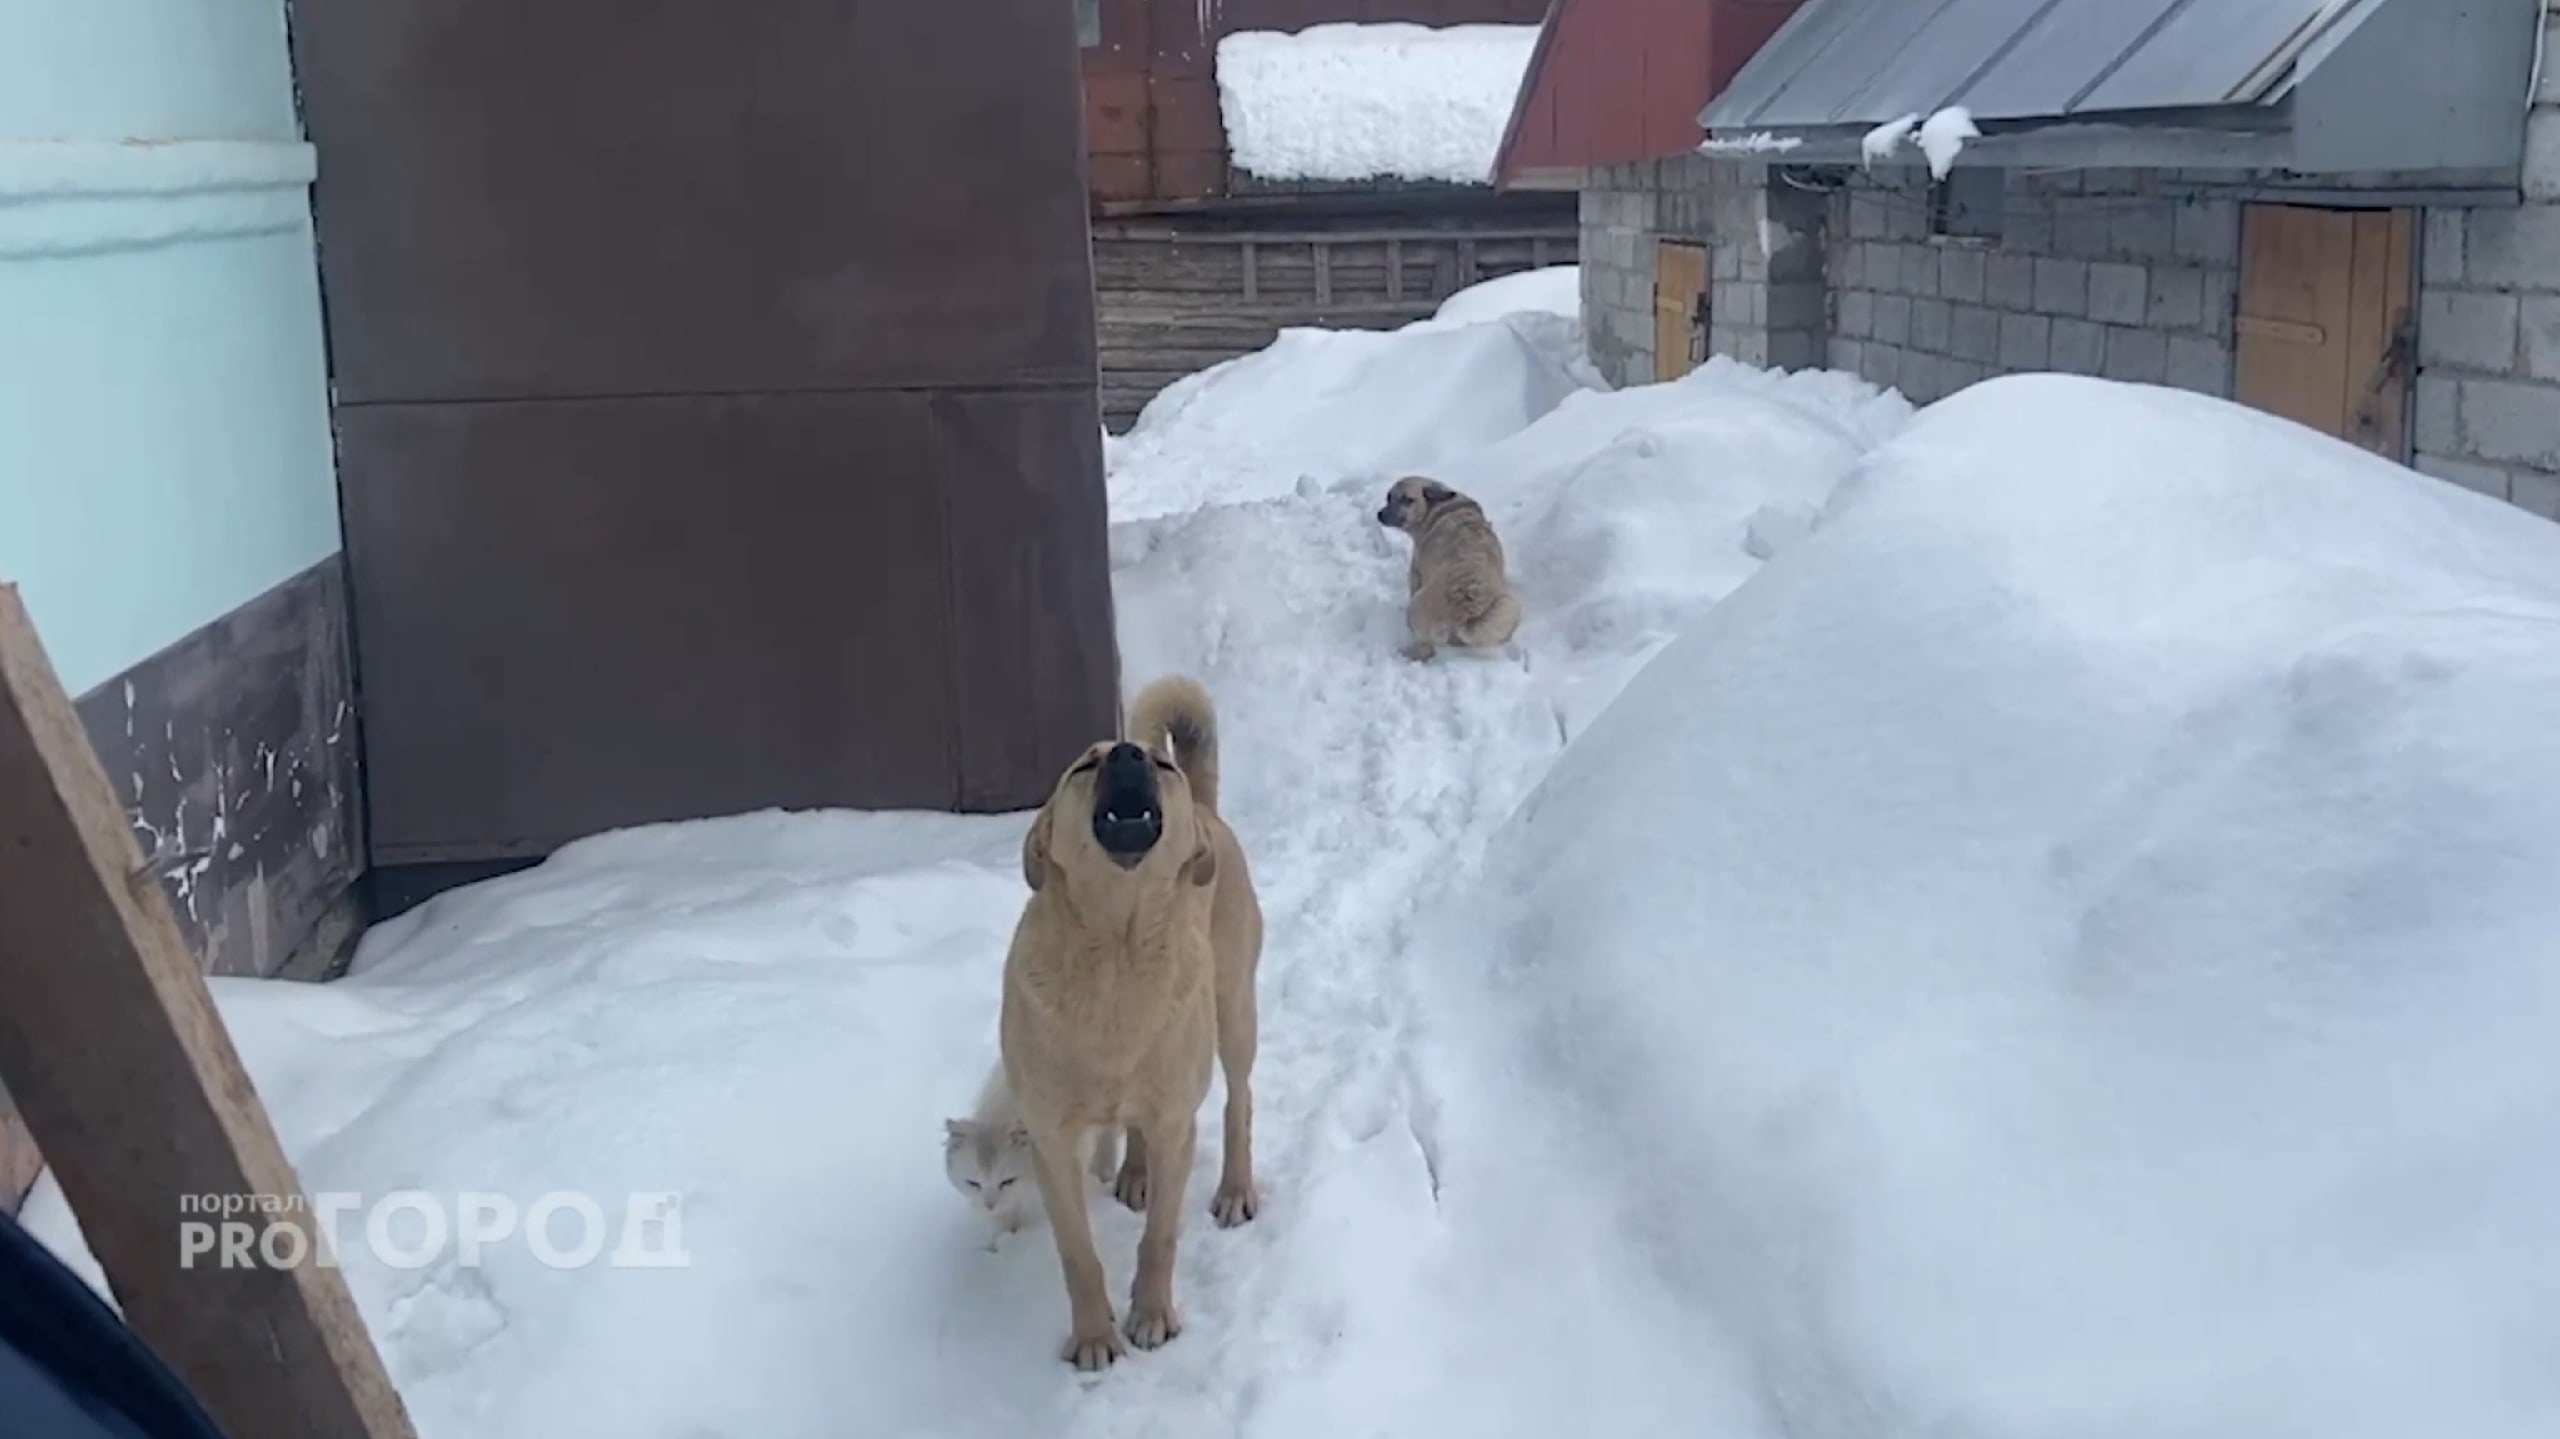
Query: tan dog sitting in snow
[[1459, 593], [1132, 965]]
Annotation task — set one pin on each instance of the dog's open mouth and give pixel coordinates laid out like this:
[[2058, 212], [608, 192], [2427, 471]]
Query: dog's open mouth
[[1127, 820]]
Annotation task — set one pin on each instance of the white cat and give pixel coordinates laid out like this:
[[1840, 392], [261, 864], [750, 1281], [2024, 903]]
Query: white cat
[[987, 1157]]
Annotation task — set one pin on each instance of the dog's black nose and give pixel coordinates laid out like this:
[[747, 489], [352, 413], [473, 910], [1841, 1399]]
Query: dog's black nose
[[1127, 820]]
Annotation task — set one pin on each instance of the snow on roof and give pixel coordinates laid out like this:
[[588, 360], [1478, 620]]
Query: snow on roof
[[1371, 102]]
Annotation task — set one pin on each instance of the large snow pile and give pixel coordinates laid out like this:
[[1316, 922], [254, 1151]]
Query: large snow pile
[[1371, 102], [1548, 290], [770, 1015], [2070, 949], [1320, 404]]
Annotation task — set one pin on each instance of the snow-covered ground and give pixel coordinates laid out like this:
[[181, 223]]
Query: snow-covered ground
[[2065, 949], [1371, 102]]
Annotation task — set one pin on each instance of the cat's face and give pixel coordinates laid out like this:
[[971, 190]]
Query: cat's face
[[990, 1167]]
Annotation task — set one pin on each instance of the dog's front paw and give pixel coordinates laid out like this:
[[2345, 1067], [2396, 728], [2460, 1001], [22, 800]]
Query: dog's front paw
[[1097, 1350], [1419, 650], [1234, 1204], [1132, 1187], [1149, 1326]]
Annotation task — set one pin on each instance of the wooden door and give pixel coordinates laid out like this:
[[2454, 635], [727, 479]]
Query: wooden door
[[2325, 331], [713, 434], [1679, 308]]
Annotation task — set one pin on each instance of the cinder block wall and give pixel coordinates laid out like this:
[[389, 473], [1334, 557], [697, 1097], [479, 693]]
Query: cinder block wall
[[2092, 273], [1767, 303], [2488, 402], [2125, 274], [2131, 275]]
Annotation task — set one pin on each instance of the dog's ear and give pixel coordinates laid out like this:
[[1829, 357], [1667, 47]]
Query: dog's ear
[[1438, 494], [1035, 851], [955, 1130], [1202, 867]]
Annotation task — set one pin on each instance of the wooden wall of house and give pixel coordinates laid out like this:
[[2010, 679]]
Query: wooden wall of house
[[1180, 292], [1152, 129]]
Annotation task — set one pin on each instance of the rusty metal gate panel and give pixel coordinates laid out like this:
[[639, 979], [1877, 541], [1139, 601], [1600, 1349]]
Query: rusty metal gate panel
[[717, 419]]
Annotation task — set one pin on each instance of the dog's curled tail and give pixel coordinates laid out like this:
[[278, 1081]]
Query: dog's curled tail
[[1175, 712]]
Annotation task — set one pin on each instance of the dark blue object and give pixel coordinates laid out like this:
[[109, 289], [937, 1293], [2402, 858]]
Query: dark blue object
[[69, 1368]]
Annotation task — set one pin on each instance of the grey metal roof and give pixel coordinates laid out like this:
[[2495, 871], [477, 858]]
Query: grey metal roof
[[1864, 62]]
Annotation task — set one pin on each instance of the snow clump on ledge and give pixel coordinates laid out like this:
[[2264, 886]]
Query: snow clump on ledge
[[1371, 102]]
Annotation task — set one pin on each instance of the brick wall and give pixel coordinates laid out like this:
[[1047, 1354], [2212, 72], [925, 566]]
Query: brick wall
[[1765, 238], [2488, 402], [2092, 272]]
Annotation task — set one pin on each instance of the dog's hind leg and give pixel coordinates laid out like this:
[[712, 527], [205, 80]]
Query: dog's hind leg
[[1494, 627], [1152, 1318], [1237, 1200], [1093, 1341]]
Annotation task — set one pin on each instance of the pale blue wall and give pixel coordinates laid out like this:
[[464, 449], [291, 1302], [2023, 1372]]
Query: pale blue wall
[[164, 430]]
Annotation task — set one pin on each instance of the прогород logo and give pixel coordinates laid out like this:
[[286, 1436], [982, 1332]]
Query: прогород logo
[[413, 1228]]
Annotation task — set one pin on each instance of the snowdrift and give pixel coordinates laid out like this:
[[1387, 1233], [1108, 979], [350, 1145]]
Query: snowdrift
[[2070, 949], [1317, 404], [1548, 290], [1625, 515]]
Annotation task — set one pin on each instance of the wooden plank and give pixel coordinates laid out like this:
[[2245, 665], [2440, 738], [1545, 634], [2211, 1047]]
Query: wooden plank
[[1679, 285], [2379, 362], [1135, 231], [124, 1074], [2289, 332], [1244, 329], [2400, 286], [19, 1161], [2296, 277]]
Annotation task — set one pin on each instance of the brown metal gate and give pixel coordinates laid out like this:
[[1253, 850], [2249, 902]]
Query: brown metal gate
[[716, 407]]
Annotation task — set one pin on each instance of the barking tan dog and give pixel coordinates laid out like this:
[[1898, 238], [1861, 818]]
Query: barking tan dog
[[1132, 965], [1459, 593]]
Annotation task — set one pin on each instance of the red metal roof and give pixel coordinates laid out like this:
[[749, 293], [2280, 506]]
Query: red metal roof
[[1614, 81]]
